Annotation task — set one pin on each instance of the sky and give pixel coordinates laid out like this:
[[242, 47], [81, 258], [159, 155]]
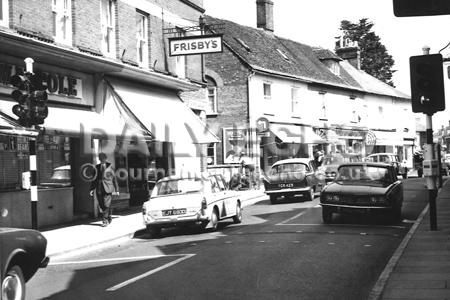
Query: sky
[[316, 23]]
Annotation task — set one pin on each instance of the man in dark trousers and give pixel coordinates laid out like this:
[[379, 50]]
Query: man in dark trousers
[[102, 188]]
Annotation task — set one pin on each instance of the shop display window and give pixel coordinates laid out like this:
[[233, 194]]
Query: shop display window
[[14, 160], [53, 161]]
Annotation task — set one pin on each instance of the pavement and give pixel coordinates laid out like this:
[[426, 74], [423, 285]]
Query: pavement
[[418, 269]]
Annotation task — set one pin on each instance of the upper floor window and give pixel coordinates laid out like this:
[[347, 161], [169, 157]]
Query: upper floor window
[[180, 60], [142, 39], [4, 13], [211, 154], [295, 100], [323, 106], [267, 88], [108, 27], [62, 21], [212, 95]]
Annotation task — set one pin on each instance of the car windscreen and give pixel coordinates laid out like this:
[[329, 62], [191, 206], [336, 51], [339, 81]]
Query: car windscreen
[[363, 173], [288, 168], [178, 186], [334, 160]]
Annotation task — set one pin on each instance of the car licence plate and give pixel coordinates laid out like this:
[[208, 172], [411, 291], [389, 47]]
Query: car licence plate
[[285, 185], [174, 212]]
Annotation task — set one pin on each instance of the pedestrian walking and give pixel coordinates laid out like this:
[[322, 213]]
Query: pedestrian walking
[[103, 187]]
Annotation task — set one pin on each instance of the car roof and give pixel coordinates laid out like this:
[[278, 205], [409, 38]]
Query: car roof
[[369, 164], [342, 154], [305, 161], [66, 167], [196, 176]]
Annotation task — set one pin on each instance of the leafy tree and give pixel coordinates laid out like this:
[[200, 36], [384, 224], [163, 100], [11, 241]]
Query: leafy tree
[[375, 59]]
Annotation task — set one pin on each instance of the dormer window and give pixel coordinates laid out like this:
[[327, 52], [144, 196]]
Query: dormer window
[[333, 66], [283, 55], [243, 44]]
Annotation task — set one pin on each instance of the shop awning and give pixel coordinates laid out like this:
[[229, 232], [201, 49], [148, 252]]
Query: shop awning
[[296, 134], [388, 138], [10, 126], [163, 114], [78, 122]]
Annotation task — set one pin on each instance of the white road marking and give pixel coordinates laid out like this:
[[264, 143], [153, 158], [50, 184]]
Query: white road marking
[[93, 261], [134, 279], [347, 225], [292, 218]]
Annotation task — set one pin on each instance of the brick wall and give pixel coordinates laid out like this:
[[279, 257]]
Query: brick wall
[[232, 95], [34, 16], [127, 32], [87, 24]]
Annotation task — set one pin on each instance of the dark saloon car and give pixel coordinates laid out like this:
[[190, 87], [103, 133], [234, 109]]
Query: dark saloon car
[[22, 253], [292, 177], [331, 162], [363, 187]]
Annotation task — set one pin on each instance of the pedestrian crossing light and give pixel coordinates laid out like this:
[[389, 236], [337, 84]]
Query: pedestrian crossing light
[[427, 83], [416, 8]]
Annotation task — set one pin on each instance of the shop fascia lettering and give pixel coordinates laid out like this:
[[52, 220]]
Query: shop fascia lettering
[[64, 85]]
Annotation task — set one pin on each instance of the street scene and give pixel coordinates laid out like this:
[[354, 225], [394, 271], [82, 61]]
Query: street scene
[[195, 149]]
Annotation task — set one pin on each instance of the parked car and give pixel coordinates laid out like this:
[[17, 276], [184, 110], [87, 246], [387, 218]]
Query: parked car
[[331, 162], [363, 187], [61, 177], [196, 200], [389, 158], [293, 177], [22, 253]]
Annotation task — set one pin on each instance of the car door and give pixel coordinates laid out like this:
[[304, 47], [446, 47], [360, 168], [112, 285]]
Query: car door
[[217, 196], [227, 196], [397, 190], [311, 175]]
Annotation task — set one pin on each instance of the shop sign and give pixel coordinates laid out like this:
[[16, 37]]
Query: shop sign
[[54, 83], [195, 45]]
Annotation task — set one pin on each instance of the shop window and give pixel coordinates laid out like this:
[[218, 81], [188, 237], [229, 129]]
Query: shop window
[[142, 39], [108, 27], [62, 21], [323, 102], [4, 13], [53, 161], [212, 95], [14, 160]]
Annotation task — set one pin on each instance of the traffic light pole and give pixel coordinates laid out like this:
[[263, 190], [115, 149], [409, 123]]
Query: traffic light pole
[[33, 182], [431, 180]]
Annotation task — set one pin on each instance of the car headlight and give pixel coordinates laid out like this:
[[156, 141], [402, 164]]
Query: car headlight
[[377, 200], [332, 198]]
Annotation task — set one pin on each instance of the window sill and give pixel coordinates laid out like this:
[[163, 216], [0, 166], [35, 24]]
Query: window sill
[[211, 114], [271, 115]]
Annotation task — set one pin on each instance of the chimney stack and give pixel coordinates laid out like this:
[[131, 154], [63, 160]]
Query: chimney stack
[[264, 14], [348, 50]]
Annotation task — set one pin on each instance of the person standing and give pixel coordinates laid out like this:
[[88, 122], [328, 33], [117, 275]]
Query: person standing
[[103, 187]]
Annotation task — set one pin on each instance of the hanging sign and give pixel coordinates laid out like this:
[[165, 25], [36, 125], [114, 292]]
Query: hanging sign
[[195, 45]]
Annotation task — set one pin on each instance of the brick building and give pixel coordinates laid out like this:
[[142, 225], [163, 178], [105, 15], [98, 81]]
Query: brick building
[[112, 87], [309, 97]]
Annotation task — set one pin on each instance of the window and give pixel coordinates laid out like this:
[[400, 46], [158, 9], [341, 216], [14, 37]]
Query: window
[[142, 39], [323, 106], [267, 91], [212, 95], [108, 28], [62, 21], [4, 13], [295, 99], [211, 154], [380, 110]]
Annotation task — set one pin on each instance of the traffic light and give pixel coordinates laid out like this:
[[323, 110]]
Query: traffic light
[[427, 83], [415, 8], [39, 109], [22, 96], [32, 103]]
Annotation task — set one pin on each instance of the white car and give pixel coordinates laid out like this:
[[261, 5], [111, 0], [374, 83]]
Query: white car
[[183, 201]]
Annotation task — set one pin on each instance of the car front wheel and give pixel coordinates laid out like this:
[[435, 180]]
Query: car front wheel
[[310, 195], [13, 285], [273, 199], [327, 214], [238, 217], [214, 220]]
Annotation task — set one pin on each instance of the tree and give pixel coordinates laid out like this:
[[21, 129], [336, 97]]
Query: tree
[[375, 59]]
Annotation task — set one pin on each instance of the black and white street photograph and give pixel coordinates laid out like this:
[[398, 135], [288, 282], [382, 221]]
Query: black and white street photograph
[[224, 149]]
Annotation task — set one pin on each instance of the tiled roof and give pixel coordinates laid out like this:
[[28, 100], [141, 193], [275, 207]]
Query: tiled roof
[[266, 52]]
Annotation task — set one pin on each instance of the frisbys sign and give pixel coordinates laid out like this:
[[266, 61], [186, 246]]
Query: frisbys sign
[[195, 45]]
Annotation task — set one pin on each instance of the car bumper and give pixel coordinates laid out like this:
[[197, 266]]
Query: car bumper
[[288, 191], [175, 220], [356, 207]]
